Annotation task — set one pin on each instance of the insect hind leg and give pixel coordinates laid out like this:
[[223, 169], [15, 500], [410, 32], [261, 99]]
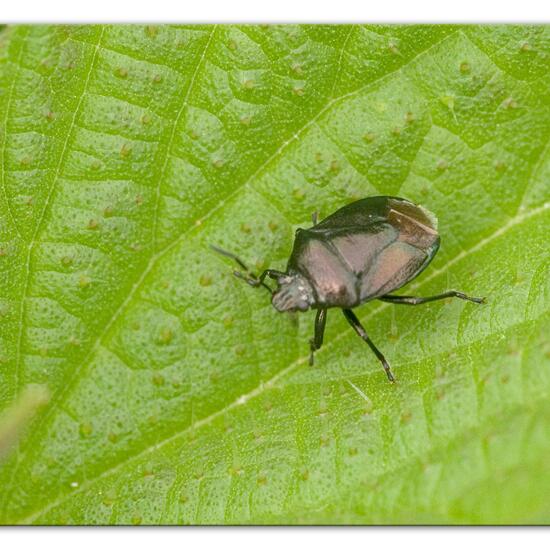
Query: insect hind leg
[[417, 300], [358, 327]]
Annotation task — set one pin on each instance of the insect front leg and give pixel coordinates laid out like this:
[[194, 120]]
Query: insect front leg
[[417, 300], [255, 281], [250, 278], [354, 322], [317, 341]]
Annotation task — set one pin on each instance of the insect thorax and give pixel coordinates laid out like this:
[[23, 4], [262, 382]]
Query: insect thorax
[[293, 293]]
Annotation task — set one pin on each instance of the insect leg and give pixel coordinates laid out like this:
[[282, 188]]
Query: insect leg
[[250, 278], [354, 322], [417, 300], [253, 280], [315, 217], [317, 341]]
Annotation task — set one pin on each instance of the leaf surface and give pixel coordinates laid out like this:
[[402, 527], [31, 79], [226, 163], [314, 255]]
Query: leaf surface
[[176, 393]]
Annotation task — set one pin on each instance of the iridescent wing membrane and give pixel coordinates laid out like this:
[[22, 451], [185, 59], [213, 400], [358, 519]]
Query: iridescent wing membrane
[[365, 250]]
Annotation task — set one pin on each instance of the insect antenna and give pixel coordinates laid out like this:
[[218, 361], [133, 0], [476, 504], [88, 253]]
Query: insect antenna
[[249, 277]]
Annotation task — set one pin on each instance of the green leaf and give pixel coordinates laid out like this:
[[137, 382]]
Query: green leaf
[[176, 393]]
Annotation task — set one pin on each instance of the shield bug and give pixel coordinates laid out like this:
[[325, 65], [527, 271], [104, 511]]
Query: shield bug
[[362, 252]]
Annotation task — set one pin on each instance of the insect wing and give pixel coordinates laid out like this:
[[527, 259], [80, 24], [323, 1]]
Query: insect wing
[[402, 260], [359, 214], [316, 259], [359, 247]]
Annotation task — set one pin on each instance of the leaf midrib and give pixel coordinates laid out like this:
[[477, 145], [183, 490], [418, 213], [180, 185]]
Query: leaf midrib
[[242, 400], [84, 364]]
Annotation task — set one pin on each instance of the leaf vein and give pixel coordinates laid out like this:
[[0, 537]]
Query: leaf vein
[[289, 369]]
